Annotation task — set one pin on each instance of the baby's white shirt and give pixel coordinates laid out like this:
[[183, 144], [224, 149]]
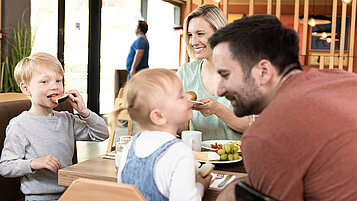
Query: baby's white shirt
[[174, 171]]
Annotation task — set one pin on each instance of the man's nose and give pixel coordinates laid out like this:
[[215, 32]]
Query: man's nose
[[221, 90]]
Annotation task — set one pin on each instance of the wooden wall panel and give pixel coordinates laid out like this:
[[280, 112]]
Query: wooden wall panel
[[352, 35], [342, 36], [333, 31], [296, 15], [251, 7], [304, 38], [278, 9], [322, 62], [269, 7], [225, 7]]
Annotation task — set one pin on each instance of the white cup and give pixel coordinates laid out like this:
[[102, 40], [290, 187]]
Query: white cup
[[192, 139]]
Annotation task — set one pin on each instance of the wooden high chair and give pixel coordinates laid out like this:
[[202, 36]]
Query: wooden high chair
[[84, 189], [124, 115]]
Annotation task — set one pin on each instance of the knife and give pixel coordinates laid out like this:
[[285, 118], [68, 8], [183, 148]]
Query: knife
[[224, 181]]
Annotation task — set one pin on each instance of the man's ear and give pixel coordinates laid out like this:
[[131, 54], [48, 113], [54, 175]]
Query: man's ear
[[263, 72], [157, 117], [25, 89]]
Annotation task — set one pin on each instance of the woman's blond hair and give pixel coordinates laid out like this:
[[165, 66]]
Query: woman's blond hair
[[144, 92], [212, 14], [36, 62]]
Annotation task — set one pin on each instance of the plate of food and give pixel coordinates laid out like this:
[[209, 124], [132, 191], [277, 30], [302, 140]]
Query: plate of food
[[214, 145], [215, 158], [224, 152]]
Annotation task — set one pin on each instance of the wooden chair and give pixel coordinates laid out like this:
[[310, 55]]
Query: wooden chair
[[84, 189], [122, 116]]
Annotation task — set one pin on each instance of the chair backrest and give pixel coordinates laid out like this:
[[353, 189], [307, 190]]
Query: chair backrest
[[11, 105], [95, 190], [122, 116], [244, 192]]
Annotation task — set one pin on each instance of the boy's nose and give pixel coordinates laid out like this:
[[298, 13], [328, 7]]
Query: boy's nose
[[55, 85]]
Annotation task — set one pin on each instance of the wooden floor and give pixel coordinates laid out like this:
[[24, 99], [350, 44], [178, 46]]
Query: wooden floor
[[89, 150]]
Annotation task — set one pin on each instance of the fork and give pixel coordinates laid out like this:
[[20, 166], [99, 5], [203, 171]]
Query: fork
[[218, 176]]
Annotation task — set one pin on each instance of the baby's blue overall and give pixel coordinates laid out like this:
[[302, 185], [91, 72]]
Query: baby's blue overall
[[140, 171]]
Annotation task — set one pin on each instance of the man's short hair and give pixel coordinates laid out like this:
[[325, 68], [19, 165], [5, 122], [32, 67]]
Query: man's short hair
[[258, 37], [143, 26]]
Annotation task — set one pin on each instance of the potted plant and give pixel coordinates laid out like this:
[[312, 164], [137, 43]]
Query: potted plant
[[20, 45]]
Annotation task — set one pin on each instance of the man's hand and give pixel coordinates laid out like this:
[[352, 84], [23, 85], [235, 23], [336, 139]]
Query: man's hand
[[229, 192], [48, 162], [132, 72], [139, 53]]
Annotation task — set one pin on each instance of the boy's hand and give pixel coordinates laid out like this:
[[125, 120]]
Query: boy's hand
[[205, 181], [77, 102], [49, 162]]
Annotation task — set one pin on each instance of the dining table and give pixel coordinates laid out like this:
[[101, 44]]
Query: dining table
[[100, 168]]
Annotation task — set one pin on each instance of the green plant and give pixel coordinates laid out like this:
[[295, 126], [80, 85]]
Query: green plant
[[20, 46]]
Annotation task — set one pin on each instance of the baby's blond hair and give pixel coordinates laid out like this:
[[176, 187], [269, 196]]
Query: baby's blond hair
[[145, 92], [38, 61]]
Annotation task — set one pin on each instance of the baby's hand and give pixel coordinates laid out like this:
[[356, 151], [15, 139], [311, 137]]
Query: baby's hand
[[205, 181], [49, 162], [77, 102]]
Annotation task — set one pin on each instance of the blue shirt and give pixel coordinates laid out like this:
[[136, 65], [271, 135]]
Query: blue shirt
[[141, 43]]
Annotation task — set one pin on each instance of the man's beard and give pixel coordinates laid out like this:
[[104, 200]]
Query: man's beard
[[248, 99]]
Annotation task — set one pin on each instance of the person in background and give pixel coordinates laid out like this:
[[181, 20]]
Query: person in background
[[138, 57], [40, 141], [302, 146], [215, 118], [160, 165]]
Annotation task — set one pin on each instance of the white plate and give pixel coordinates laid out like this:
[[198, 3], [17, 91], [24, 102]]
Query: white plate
[[222, 162], [207, 144]]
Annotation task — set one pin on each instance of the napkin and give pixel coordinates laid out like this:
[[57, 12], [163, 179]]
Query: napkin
[[216, 182]]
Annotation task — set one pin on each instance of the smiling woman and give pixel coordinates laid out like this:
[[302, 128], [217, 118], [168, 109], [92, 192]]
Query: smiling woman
[[214, 118]]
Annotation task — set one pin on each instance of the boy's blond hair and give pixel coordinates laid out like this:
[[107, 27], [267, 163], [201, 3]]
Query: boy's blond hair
[[38, 61], [145, 92]]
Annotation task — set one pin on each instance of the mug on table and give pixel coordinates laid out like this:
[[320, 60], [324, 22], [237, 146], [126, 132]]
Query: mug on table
[[192, 139]]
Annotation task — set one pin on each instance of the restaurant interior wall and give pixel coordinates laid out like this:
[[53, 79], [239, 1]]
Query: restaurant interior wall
[[11, 9], [323, 7]]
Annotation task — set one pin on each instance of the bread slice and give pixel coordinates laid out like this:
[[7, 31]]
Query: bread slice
[[206, 169], [201, 156]]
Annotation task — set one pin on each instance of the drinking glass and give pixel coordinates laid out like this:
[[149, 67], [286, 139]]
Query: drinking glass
[[124, 139], [119, 147], [252, 118]]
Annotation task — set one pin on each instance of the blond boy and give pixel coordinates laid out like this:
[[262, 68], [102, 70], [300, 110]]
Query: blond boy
[[40, 141]]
